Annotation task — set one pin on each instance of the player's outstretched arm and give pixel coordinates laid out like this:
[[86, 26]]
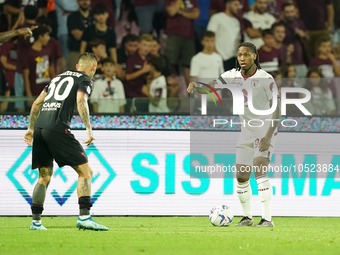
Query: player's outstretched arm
[[195, 87], [83, 110], [276, 117], [35, 110]]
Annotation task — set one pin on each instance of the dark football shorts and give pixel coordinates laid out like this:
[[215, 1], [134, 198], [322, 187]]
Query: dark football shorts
[[63, 148]]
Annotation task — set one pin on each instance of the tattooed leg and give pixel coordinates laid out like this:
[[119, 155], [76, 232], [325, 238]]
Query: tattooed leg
[[39, 192], [84, 188]]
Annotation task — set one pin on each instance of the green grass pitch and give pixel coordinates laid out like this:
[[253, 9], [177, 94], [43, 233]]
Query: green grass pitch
[[169, 235]]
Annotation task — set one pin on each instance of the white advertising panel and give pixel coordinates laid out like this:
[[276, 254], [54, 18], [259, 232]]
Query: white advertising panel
[[148, 173]]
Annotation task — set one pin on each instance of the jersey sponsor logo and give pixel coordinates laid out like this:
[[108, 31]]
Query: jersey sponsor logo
[[51, 106], [237, 83]]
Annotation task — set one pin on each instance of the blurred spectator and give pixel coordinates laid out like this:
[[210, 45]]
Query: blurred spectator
[[318, 17], [23, 45], [98, 48], [325, 59], [201, 24], [38, 68], [146, 10], [181, 34], [14, 7], [274, 7], [322, 96], [63, 9], [77, 22], [207, 64], [279, 32], [4, 90], [52, 17], [277, 75], [289, 74], [55, 47], [8, 58], [269, 56], [227, 29], [129, 47], [255, 21], [137, 68], [173, 85], [100, 30], [108, 94], [219, 6], [295, 33], [110, 7], [156, 89]]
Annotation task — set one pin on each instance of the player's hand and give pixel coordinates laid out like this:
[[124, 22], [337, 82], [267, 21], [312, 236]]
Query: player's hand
[[264, 144], [90, 138], [192, 87], [28, 137]]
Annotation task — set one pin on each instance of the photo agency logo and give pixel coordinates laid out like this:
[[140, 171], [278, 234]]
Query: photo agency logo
[[245, 100]]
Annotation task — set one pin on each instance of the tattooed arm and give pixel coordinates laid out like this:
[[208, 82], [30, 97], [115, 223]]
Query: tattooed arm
[[83, 110], [35, 110]]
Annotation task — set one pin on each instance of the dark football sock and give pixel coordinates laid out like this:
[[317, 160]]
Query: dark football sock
[[84, 205], [39, 194]]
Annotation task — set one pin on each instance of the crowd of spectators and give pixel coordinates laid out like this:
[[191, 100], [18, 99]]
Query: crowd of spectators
[[148, 50]]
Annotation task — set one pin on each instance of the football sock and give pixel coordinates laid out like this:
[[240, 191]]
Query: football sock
[[265, 193], [244, 195], [37, 207], [84, 206]]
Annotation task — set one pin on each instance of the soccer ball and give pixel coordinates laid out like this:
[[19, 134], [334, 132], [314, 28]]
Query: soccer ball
[[221, 216]]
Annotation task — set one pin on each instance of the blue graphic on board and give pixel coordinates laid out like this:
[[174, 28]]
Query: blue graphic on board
[[32, 175]]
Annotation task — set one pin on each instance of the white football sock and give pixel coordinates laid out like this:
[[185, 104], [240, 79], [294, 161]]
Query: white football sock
[[84, 217], [265, 193], [37, 221], [244, 195]]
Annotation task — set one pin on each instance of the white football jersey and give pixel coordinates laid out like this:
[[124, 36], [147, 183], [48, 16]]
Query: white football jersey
[[262, 85]]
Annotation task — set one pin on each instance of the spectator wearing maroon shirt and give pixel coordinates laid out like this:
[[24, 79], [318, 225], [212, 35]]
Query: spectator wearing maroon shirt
[[318, 16], [23, 45], [181, 34], [325, 59], [137, 68], [295, 33], [38, 67], [279, 32], [146, 10], [269, 56], [129, 46], [8, 58]]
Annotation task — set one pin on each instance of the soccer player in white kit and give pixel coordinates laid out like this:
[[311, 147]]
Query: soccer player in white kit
[[256, 144]]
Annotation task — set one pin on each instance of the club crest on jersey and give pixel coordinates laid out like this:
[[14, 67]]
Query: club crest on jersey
[[255, 83], [237, 83]]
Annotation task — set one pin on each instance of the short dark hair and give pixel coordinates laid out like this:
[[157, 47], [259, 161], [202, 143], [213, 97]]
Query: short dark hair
[[286, 4], [323, 40], [130, 38], [108, 60], [96, 42], [42, 20], [40, 31], [31, 12], [157, 62], [99, 9], [229, 1], [277, 24], [267, 32], [285, 69], [209, 34]]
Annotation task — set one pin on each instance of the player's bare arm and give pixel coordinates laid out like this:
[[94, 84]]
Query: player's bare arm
[[83, 109], [265, 141], [35, 110]]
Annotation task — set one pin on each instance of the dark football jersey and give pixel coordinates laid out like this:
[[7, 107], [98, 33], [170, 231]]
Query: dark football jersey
[[61, 99]]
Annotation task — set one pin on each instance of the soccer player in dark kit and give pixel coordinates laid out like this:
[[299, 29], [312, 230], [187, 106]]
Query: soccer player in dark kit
[[49, 131]]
